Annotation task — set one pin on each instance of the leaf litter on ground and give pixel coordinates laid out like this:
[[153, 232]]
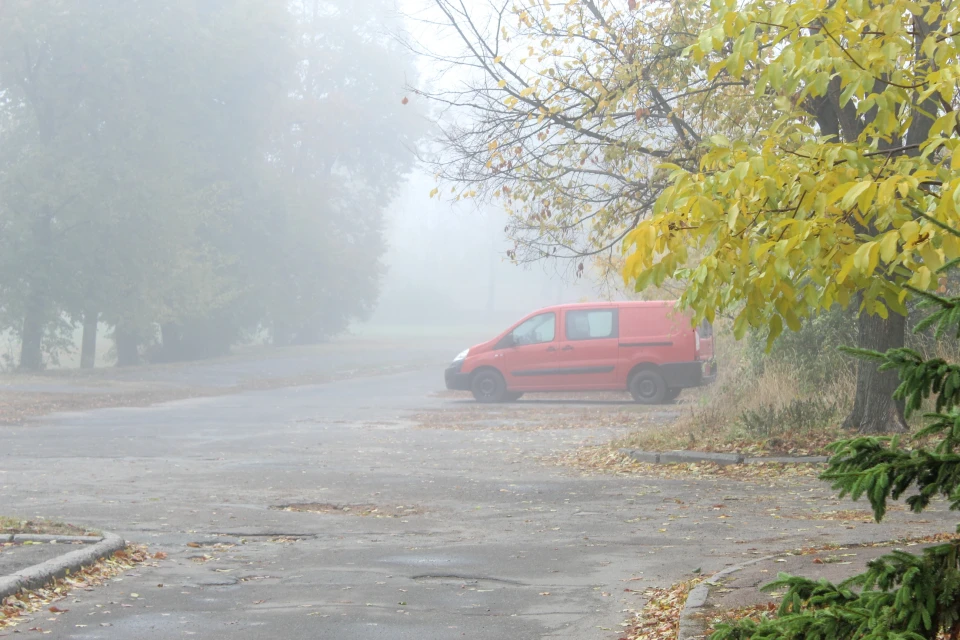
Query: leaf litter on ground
[[659, 619], [609, 459], [18, 607]]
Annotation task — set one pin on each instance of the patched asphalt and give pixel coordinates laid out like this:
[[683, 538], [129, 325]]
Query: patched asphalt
[[499, 543]]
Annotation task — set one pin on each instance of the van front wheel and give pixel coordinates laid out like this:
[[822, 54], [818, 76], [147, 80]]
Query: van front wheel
[[648, 387], [489, 386]]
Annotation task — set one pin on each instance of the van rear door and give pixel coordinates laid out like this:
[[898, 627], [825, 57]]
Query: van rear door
[[589, 348]]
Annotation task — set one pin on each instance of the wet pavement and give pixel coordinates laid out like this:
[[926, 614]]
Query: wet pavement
[[450, 533], [15, 557]]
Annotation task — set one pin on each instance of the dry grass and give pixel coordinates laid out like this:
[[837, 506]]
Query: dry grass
[[765, 414]]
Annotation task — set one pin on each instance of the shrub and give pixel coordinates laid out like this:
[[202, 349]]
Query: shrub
[[799, 415], [812, 353]]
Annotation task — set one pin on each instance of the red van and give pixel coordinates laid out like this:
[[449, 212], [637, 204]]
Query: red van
[[647, 348]]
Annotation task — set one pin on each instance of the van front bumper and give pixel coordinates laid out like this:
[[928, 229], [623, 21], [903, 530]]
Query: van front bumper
[[455, 380], [683, 375]]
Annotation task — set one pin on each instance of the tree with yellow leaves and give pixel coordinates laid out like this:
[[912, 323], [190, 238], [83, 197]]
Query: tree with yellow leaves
[[845, 198]]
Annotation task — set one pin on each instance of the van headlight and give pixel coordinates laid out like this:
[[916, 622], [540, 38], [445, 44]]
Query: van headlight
[[462, 355]]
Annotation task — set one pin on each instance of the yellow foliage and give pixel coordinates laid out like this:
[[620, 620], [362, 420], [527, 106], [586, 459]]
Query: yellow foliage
[[842, 202]]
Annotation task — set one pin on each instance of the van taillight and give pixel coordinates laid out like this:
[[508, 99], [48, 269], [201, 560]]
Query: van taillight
[[696, 343]]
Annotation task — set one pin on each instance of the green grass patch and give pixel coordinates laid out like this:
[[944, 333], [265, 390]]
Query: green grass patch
[[39, 526]]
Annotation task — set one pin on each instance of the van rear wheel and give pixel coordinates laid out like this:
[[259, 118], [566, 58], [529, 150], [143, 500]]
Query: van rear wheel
[[489, 386], [671, 395], [648, 387]]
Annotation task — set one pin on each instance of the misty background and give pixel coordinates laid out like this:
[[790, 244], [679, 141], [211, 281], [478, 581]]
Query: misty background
[[180, 178], [447, 266]]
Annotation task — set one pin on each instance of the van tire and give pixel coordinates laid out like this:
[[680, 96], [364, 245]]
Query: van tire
[[672, 394], [512, 396], [488, 386], [648, 387]]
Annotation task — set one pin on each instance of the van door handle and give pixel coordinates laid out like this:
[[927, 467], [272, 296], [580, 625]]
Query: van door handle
[[551, 348], [567, 348]]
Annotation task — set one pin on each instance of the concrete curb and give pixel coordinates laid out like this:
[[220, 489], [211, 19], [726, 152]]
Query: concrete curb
[[690, 625], [40, 574], [723, 459], [36, 537]]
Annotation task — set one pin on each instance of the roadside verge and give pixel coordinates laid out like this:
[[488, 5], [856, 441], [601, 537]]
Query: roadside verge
[[94, 548]]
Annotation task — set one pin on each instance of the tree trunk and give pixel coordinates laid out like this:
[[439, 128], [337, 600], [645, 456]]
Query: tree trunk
[[874, 409], [31, 351], [88, 348], [127, 347]]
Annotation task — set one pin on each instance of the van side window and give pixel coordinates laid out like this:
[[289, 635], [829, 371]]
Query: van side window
[[536, 330], [591, 324]]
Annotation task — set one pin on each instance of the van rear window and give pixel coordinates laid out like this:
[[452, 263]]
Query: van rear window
[[591, 324], [706, 329]]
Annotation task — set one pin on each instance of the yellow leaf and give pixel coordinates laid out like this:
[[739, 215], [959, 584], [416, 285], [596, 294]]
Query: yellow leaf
[[732, 215], [434, 192], [910, 231], [776, 328], [866, 198], [845, 269], [951, 246], [931, 256], [854, 192], [888, 246], [921, 278], [632, 267], [839, 192], [873, 258]]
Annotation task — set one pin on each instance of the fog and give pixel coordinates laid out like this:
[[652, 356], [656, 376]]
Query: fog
[[447, 266], [178, 179]]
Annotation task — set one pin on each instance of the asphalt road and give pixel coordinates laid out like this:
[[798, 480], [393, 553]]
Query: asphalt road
[[497, 545]]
